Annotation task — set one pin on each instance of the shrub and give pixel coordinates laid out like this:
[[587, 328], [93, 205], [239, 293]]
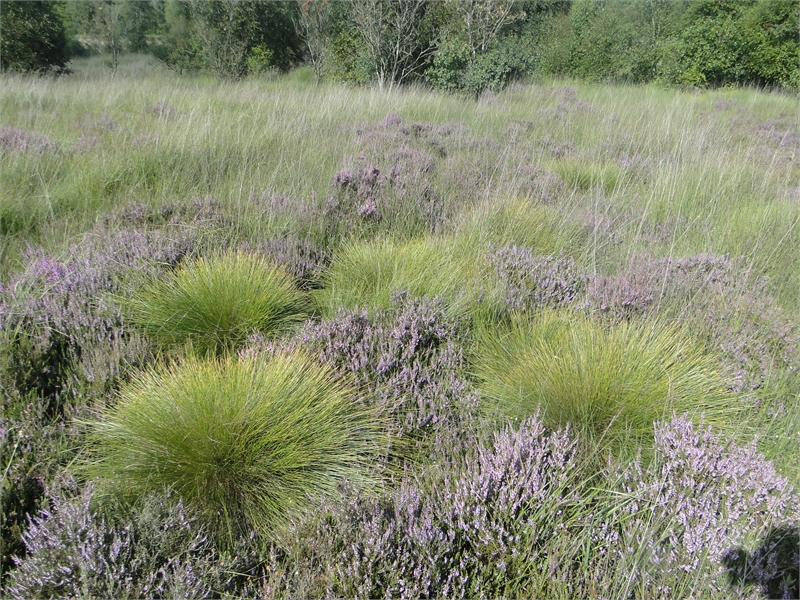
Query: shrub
[[610, 384], [242, 442], [529, 282], [34, 38], [477, 528], [674, 526], [408, 360], [158, 553], [59, 332], [216, 303], [520, 517]]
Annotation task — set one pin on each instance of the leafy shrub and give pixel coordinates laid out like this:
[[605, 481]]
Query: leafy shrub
[[242, 442], [454, 71], [610, 384], [216, 303], [34, 38]]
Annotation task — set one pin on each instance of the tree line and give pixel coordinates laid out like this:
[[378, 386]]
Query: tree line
[[465, 46]]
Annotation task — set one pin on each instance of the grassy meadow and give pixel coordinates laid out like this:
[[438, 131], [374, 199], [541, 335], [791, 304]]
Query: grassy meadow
[[266, 338]]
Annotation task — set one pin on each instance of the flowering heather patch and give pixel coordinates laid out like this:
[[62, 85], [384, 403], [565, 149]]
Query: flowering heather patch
[[200, 211], [396, 191], [774, 566], [410, 361], [477, 529], [162, 110], [395, 131], [529, 281], [700, 497], [57, 327], [85, 143], [159, 553], [528, 180], [301, 257], [19, 140]]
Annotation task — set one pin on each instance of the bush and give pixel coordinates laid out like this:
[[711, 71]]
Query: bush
[[522, 517], [408, 360], [477, 528], [216, 303], [241, 442], [158, 553], [610, 384], [34, 38]]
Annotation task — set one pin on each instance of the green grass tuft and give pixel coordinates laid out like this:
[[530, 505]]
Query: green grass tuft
[[216, 303], [243, 442], [608, 384]]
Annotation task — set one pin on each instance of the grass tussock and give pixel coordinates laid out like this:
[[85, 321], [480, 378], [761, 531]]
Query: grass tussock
[[242, 442], [608, 384], [215, 303]]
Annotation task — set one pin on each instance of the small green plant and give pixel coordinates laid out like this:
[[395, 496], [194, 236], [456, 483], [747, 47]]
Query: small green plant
[[370, 274], [610, 384], [216, 303], [242, 442]]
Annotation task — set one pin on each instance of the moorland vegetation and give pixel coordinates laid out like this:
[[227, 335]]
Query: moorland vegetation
[[272, 337]]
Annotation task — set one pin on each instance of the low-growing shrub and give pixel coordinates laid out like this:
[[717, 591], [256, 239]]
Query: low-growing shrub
[[522, 517], [725, 305], [480, 527], [408, 360], [159, 552], [216, 303], [242, 442], [672, 528], [527, 281], [610, 384]]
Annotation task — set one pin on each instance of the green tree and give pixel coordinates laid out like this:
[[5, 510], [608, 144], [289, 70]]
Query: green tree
[[178, 47], [34, 38], [241, 36]]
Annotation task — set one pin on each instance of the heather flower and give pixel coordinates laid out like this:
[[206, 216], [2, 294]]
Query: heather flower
[[159, 553], [774, 566], [739, 318], [408, 359], [477, 528], [13, 139], [700, 497], [529, 282]]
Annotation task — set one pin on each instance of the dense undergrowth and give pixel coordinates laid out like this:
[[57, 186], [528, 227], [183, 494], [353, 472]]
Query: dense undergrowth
[[263, 339]]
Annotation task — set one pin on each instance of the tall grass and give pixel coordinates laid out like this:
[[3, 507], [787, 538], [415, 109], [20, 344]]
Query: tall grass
[[670, 215], [242, 442], [608, 384], [215, 303]]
